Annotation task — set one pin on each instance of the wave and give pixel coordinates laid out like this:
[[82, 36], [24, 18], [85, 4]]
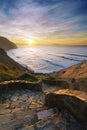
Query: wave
[[46, 60], [53, 63], [75, 55], [64, 57], [71, 59]]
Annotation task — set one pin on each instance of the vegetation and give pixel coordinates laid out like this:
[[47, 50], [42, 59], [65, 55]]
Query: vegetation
[[9, 69], [7, 72], [42, 76], [49, 76], [27, 77], [30, 79]]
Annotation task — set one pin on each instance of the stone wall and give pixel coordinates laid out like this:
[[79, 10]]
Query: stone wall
[[74, 105], [61, 83], [14, 85]]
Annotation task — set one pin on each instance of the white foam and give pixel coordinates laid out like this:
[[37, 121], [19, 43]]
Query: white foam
[[47, 59]]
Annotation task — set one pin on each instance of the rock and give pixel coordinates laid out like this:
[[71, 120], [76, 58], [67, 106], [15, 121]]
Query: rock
[[14, 85], [4, 106], [58, 82], [15, 104], [76, 106], [14, 98], [4, 111], [20, 104], [46, 113], [21, 117], [30, 119], [24, 98], [17, 109], [28, 128], [6, 44]]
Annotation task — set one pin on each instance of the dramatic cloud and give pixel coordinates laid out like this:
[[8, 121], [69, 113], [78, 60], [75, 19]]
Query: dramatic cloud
[[43, 20]]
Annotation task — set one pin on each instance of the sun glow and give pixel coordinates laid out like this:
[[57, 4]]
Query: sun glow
[[30, 42]]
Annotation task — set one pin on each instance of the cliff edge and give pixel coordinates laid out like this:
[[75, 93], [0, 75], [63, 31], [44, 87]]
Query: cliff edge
[[8, 67], [6, 44]]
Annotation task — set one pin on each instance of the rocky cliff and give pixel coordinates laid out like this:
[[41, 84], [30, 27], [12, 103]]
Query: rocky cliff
[[6, 44]]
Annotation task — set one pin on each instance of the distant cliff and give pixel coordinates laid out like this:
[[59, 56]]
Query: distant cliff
[[6, 44]]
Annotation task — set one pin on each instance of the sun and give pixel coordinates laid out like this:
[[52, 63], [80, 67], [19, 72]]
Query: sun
[[30, 42]]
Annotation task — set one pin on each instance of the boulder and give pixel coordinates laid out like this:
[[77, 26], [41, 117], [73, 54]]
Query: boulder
[[76, 106]]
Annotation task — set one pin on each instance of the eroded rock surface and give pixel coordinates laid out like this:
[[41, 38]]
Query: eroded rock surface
[[67, 99], [19, 111]]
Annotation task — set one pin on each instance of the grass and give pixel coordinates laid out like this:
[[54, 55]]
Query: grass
[[50, 77], [41, 76], [30, 79], [9, 69], [7, 72]]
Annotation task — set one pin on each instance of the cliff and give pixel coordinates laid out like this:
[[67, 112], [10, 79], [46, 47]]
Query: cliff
[[6, 44], [76, 71], [20, 105], [8, 67], [76, 74]]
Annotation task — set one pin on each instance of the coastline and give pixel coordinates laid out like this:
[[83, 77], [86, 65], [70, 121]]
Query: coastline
[[25, 100], [40, 73], [57, 74], [49, 62]]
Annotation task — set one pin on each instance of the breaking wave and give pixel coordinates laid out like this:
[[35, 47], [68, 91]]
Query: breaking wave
[[47, 59]]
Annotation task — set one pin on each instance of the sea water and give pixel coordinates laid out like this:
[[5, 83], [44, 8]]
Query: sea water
[[47, 59]]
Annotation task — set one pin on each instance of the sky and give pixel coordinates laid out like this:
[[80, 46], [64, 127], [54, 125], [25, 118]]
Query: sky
[[43, 22]]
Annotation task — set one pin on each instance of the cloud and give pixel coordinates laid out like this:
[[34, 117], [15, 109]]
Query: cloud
[[41, 20]]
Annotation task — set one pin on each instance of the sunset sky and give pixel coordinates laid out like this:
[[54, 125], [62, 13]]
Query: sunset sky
[[44, 21]]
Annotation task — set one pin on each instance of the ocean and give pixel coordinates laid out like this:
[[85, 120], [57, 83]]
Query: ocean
[[47, 59]]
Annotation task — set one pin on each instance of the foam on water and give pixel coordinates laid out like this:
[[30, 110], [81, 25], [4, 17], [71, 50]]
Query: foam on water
[[47, 59]]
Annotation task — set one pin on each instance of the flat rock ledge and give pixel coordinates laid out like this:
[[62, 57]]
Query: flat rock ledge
[[14, 85], [67, 100]]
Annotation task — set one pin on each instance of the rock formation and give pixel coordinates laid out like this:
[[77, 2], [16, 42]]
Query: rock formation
[[77, 72], [6, 44], [73, 101]]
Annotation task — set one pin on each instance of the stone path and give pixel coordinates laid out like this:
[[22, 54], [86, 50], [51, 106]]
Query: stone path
[[19, 112], [19, 109]]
